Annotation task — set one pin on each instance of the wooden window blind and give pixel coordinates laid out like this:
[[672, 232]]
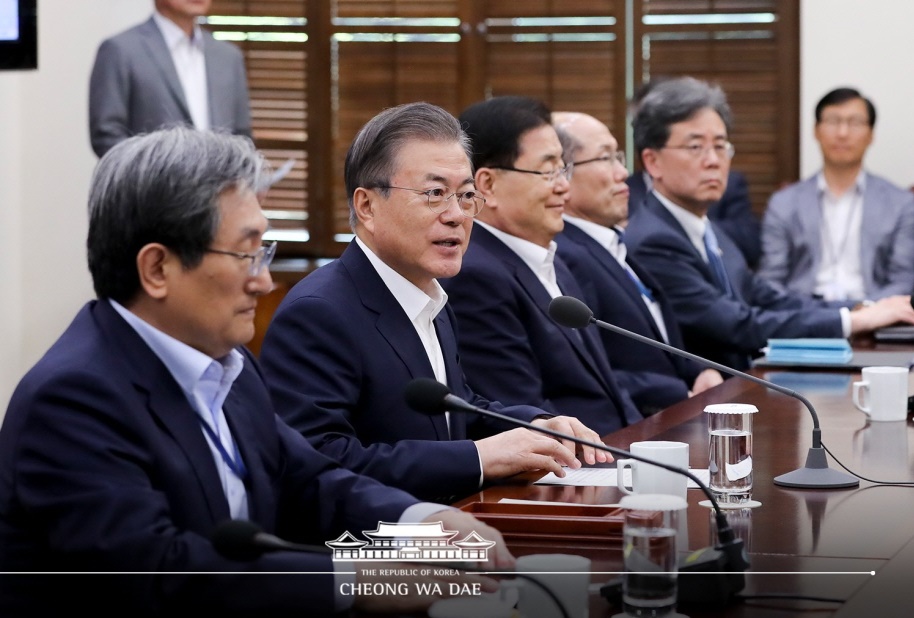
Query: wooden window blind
[[318, 70]]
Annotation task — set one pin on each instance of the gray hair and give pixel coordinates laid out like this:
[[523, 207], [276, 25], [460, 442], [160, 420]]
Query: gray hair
[[571, 146], [372, 157], [162, 187], [671, 101]]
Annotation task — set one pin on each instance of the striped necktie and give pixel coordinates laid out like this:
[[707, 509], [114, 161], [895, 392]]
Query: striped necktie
[[715, 261]]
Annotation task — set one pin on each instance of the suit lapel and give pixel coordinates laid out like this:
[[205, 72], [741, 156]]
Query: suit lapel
[[534, 288], [445, 330], [215, 80], [872, 230], [623, 280], [167, 405], [391, 322], [810, 217], [158, 53], [237, 409]]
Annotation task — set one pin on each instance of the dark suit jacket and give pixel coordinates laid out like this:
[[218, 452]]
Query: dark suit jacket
[[513, 351], [655, 379], [104, 467], [733, 213], [338, 356], [723, 328], [134, 87]]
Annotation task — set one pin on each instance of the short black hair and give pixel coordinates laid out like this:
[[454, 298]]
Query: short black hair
[[842, 95], [495, 127]]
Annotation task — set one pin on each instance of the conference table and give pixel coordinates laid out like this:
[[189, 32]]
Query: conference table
[[800, 542]]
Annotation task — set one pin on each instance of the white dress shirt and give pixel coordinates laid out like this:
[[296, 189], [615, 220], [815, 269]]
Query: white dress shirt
[[840, 276], [540, 260], [190, 63], [421, 309], [610, 240], [206, 383]]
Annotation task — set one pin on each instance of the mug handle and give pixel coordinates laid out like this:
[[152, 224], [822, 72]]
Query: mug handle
[[863, 385], [621, 464]]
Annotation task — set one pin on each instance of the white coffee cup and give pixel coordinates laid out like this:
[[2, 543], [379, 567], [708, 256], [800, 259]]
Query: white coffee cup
[[566, 575], [648, 479], [882, 394]]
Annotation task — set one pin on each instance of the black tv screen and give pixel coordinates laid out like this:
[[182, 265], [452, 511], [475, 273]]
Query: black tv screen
[[18, 34]]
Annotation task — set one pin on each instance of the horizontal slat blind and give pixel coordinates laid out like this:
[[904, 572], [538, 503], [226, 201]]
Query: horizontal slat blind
[[373, 54], [736, 47]]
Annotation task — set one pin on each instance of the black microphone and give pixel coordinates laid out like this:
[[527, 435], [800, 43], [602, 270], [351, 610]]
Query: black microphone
[[571, 312], [243, 540], [722, 566]]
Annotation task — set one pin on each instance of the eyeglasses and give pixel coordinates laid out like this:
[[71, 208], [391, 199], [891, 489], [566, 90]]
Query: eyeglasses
[[854, 123], [724, 150], [469, 202], [618, 157], [260, 259], [550, 176]]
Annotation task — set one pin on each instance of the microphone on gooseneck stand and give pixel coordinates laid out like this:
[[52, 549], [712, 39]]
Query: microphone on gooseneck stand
[[723, 565], [571, 312]]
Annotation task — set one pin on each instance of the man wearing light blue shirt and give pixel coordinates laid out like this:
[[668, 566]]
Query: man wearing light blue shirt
[[148, 424]]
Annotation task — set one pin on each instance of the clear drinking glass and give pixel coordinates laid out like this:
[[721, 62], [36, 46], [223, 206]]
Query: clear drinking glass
[[730, 461], [649, 554]]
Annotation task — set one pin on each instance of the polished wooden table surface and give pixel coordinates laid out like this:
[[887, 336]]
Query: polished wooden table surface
[[822, 543]]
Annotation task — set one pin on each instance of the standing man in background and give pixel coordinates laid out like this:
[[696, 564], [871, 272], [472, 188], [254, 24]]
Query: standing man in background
[[167, 71], [843, 234]]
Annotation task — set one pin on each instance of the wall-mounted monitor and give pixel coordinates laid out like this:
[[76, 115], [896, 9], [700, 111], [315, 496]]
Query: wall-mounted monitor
[[18, 34]]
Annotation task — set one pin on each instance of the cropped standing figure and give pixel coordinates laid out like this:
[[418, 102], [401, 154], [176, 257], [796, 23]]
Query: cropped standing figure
[[163, 72]]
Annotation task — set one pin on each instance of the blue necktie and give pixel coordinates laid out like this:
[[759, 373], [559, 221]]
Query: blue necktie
[[645, 291], [715, 262]]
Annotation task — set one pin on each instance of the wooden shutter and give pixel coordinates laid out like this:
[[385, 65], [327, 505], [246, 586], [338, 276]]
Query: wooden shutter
[[749, 48]]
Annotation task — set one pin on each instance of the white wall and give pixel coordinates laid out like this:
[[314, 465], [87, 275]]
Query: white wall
[[46, 162], [45, 165], [867, 45]]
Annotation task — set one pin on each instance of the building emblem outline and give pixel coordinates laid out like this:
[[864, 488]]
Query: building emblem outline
[[396, 542]]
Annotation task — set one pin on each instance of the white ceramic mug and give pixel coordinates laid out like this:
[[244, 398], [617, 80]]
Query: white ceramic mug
[[566, 575], [882, 394], [648, 479]]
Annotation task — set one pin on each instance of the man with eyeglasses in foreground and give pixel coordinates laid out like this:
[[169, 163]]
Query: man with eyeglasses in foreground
[[148, 424], [615, 286], [347, 339], [512, 350], [726, 312], [843, 234]]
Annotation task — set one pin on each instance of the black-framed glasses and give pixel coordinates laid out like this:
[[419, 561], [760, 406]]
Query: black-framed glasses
[[260, 259], [723, 150], [617, 157], [469, 202], [565, 172]]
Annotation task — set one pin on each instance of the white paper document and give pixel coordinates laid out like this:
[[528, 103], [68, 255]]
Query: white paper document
[[605, 477]]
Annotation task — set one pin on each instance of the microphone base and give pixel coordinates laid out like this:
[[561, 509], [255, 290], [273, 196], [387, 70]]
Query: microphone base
[[816, 474]]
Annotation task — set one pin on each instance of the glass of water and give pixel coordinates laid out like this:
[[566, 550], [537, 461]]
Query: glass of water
[[649, 554], [730, 461]]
